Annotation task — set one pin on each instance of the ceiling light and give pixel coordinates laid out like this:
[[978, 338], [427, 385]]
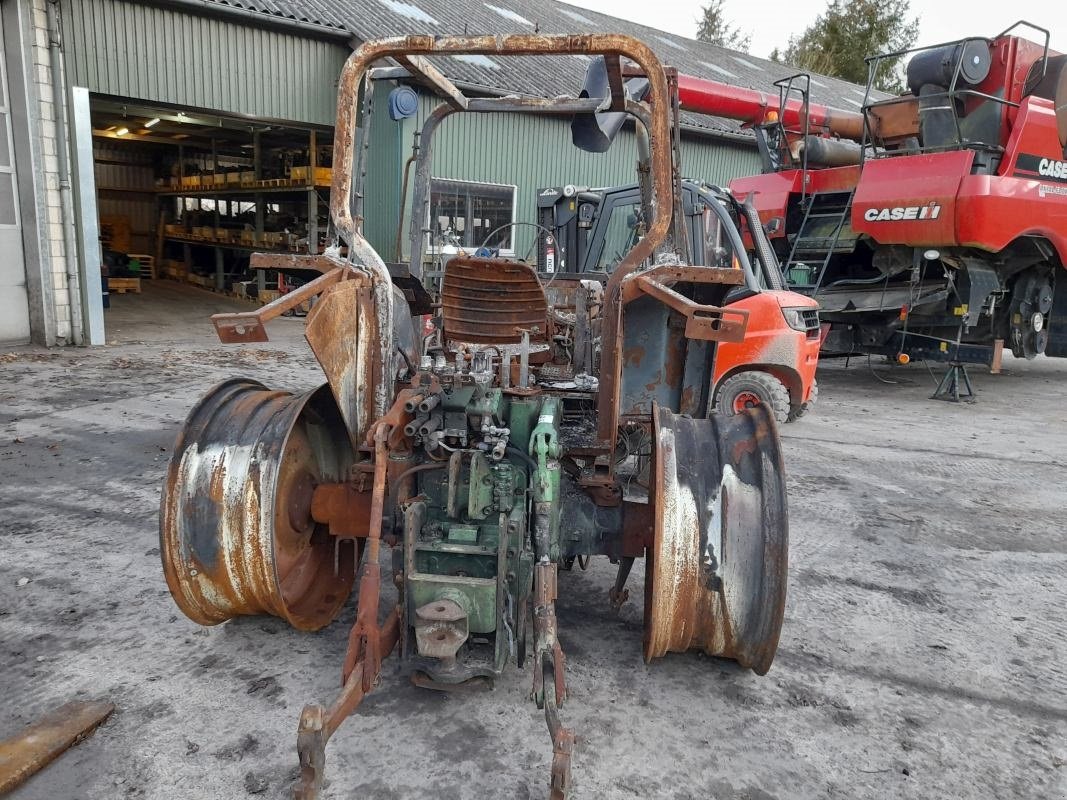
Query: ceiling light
[[151, 122], [122, 131]]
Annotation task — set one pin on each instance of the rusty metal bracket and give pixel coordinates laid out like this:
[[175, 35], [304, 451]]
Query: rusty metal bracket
[[46, 739], [710, 323], [290, 261], [247, 326], [549, 683], [368, 643], [343, 508], [364, 639], [318, 724], [615, 85], [428, 74], [670, 274]]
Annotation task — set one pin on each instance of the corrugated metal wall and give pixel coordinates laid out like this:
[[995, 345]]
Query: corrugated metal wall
[[390, 146], [140, 51], [125, 187], [526, 151]]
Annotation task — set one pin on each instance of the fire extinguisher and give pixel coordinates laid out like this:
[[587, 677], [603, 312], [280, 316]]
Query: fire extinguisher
[[550, 254]]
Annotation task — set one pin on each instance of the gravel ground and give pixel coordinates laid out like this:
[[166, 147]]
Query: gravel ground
[[923, 653]]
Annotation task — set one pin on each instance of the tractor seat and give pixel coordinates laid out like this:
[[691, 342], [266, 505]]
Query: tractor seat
[[491, 300]]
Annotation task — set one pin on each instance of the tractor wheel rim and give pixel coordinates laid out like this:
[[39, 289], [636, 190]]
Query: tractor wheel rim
[[718, 565], [236, 534]]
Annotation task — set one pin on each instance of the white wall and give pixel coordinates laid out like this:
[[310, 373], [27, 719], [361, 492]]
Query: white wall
[[35, 137], [52, 262]]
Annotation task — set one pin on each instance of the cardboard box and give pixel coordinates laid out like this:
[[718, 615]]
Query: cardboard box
[[323, 175]]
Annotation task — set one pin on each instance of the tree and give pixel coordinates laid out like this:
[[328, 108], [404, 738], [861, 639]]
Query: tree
[[848, 32], [714, 28]]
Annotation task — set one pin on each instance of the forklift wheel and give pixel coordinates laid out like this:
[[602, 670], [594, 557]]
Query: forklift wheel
[[752, 388], [806, 407]]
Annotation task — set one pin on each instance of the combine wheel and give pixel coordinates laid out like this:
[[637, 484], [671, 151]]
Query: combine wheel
[[752, 388], [716, 574], [1031, 302], [236, 533]]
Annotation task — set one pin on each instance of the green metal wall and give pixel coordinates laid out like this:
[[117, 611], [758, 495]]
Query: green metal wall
[[135, 50], [524, 150], [390, 147]]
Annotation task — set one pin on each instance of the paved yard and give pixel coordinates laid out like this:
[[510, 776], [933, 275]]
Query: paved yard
[[923, 653]]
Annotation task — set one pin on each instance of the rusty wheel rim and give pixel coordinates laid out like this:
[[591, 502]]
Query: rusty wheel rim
[[716, 574], [236, 534]]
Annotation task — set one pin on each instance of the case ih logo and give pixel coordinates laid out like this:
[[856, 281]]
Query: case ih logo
[[1047, 169], [899, 213]]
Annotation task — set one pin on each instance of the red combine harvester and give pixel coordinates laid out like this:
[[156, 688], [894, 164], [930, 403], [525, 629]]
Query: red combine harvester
[[931, 225]]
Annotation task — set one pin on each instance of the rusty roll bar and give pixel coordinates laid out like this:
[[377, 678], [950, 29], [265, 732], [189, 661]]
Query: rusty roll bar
[[703, 96], [612, 47]]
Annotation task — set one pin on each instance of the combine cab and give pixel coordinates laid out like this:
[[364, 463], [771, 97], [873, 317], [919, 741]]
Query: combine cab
[[540, 424]]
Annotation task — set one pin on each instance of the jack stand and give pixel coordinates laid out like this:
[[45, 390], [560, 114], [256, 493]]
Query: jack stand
[[955, 379]]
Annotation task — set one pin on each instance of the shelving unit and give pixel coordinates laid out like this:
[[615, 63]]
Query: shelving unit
[[201, 191], [305, 186]]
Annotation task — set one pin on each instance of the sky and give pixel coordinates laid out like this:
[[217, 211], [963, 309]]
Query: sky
[[777, 20]]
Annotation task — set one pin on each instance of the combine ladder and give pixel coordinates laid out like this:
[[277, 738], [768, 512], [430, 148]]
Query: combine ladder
[[805, 243]]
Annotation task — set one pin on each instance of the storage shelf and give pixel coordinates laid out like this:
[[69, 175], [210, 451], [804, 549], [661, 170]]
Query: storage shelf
[[125, 190], [253, 248], [260, 187]]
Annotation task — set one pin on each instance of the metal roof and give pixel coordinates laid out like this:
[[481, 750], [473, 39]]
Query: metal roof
[[541, 76]]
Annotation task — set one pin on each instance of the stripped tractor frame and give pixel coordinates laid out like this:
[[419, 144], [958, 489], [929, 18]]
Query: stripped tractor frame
[[479, 454]]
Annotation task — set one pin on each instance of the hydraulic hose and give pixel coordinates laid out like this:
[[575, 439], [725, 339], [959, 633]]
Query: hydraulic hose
[[772, 269]]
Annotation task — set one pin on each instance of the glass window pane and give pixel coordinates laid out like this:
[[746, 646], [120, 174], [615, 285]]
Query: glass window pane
[[620, 236], [469, 215], [7, 199], [718, 252], [5, 145]]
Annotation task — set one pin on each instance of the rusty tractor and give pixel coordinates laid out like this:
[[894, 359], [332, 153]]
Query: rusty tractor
[[538, 424]]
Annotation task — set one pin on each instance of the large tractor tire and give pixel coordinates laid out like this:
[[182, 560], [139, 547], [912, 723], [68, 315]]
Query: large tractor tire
[[235, 526], [752, 388], [715, 576]]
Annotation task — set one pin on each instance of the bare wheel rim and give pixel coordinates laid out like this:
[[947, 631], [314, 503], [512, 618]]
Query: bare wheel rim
[[236, 535], [716, 573]]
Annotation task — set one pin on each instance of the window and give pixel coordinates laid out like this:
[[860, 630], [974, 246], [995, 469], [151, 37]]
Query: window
[[620, 235], [470, 215]]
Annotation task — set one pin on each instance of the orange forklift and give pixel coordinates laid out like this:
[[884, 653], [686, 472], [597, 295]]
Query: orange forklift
[[584, 232]]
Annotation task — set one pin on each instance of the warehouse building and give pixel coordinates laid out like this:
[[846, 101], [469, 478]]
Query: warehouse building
[[172, 138]]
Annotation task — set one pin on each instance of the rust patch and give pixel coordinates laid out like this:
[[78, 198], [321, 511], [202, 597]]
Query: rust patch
[[633, 356], [688, 403], [675, 361], [490, 300], [657, 379], [345, 510]]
